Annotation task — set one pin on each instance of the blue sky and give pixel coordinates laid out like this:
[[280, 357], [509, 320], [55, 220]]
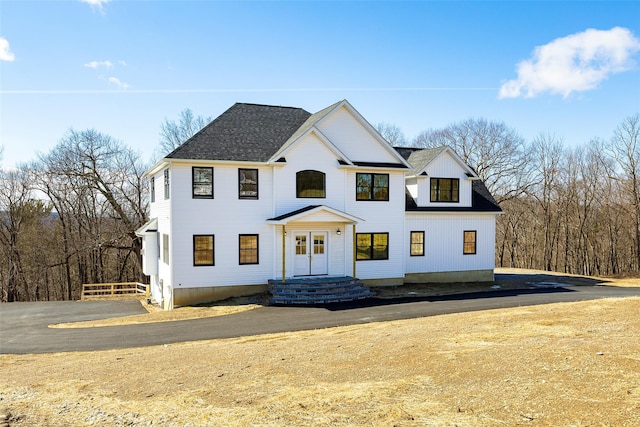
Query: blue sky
[[124, 66]]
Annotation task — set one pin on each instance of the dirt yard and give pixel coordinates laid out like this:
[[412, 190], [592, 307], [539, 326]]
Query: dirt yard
[[572, 364]]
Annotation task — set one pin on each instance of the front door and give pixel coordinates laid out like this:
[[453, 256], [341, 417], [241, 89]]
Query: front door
[[310, 253]]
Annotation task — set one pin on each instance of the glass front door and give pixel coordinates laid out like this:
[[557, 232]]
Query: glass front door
[[310, 253]]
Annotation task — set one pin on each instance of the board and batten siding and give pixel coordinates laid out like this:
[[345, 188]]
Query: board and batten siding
[[444, 237], [353, 139], [226, 217], [308, 154], [444, 167]]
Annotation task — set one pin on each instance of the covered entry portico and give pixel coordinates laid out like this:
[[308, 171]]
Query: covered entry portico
[[314, 241]]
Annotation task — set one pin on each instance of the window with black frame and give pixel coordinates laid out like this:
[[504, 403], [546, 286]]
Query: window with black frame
[[372, 246], [248, 249], [167, 191], [372, 186], [417, 243], [203, 250], [248, 183], [202, 182], [446, 190], [310, 184], [469, 242]]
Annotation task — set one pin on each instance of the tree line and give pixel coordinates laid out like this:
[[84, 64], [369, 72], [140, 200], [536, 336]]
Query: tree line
[[69, 216], [569, 209]]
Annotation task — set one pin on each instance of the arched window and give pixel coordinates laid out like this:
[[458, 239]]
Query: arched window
[[310, 184]]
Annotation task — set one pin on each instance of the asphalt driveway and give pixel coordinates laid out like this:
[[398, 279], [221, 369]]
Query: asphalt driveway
[[24, 326]]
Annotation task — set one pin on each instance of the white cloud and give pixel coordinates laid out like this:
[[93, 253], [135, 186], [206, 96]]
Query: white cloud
[[574, 63], [121, 62], [96, 4], [5, 52], [120, 85], [97, 64]]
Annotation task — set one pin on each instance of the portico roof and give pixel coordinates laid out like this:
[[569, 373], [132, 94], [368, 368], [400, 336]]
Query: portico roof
[[315, 213], [150, 226]]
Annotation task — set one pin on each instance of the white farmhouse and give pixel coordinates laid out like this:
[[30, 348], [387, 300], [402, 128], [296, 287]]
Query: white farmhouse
[[268, 193]]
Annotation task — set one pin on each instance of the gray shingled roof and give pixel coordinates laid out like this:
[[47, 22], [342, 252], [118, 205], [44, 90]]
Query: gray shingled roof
[[245, 132], [481, 201], [419, 158]]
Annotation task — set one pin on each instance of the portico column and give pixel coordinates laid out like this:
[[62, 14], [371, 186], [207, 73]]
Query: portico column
[[355, 249], [284, 232]]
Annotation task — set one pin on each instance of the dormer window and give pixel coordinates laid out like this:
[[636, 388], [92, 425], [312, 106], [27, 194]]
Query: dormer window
[[310, 184], [445, 190]]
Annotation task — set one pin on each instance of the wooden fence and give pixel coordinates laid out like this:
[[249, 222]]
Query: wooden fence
[[104, 290]]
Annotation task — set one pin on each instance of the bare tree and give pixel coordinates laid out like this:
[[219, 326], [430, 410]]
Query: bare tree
[[548, 155], [625, 147], [392, 133], [172, 133], [497, 153], [96, 184], [19, 211]]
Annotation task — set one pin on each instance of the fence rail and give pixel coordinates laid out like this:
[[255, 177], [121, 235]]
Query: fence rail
[[102, 290]]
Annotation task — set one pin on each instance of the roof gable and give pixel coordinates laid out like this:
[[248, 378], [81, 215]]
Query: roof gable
[[316, 124], [311, 213], [420, 159], [245, 132]]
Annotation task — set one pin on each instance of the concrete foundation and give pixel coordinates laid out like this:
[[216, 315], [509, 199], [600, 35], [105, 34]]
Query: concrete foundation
[[450, 276], [191, 296], [391, 281]]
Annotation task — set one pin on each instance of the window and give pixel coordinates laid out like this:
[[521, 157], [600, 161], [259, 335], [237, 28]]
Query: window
[[445, 190], [166, 184], [203, 250], [165, 248], [248, 249], [417, 243], [248, 183], [469, 243], [372, 246], [202, 180], [372, 186], [153, 189], [310, 184]]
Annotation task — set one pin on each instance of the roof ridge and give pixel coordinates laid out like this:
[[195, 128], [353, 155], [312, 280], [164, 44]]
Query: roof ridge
[[267, 105]]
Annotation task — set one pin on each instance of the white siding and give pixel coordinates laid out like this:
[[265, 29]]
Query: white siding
[[444, 242], [308, 154], [339, 259], [161, 209], [353, 139], [150, 254], [226, 217], [444, 167], [380, 217]]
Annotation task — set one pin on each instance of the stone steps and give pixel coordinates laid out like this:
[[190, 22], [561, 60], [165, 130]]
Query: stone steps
[[325, 290]]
